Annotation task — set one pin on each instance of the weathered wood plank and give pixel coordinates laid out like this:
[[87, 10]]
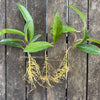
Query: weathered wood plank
[[94, 60], [37, 9], [15, 62], [76, 58], [2, 52], [57, 52]]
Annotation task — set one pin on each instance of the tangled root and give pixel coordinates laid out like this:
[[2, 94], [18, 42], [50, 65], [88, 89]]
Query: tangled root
[[46, 71], [62, 71], [32, 72], [34, 76]]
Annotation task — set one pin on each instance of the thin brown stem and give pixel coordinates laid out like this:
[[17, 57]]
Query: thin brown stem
[[24, 42]]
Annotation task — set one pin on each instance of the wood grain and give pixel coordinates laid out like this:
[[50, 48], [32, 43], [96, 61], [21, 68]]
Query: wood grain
[[76, 58], [37, 9], [94, 60], [2, 52], [15, 62], [57, 52]]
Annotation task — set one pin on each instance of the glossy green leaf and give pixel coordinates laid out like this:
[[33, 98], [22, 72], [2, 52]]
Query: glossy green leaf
[[57, 27], [65, 29], [12, 31], [37, 46], [27, 17], [89, 48], [35, 38], [68, 29], [25, 30], [94, 40], [82, 16], [10, 40], [13, 44], [86, 36]]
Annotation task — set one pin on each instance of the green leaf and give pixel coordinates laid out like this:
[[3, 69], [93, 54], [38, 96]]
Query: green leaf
[[37, 46], [65, 29], [35, 38], [25, 30], [12, 31], [94, 40], [86, 36], [27, 17], [89, 48], [10, 40], [57, 27], [13, 44], [82, 16], [68, 29]]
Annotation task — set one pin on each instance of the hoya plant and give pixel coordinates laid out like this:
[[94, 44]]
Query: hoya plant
[[48, 75], [30, 44], [57, 29]]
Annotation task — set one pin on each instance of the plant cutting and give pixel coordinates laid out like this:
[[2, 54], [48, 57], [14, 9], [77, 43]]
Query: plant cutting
[[57, 29], [33, 73], [31, 45]]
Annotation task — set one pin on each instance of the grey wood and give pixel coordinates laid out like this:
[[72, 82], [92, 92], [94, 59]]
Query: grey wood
[[15, 61], [76, 58], [2, 52], [37, 9], [94, 60], [57, 52]]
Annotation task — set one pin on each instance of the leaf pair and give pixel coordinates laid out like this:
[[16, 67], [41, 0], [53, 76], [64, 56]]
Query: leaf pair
[[11, 41], [58, 28], [29, 27], [31, 45], [88, 48], [29, 22]]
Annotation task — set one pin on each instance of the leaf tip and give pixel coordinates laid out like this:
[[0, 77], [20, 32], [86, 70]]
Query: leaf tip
[[17, 4]]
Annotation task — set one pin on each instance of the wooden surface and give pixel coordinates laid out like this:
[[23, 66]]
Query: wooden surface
[[2, 52], [94, 60], [15, 61], [57, 52], [77, 59], [84, 75], [37, 9]]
